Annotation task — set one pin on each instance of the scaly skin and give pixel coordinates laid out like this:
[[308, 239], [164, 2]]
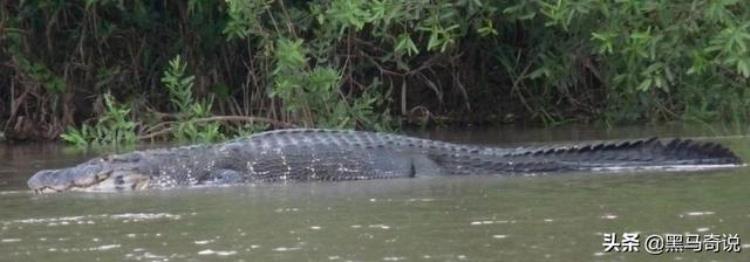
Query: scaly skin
[[335, 155]]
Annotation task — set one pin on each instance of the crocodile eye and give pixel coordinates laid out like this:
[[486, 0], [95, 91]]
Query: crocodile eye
[[102, 176]]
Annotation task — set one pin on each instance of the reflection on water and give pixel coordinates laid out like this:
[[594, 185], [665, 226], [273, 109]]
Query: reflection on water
[[555, 218]]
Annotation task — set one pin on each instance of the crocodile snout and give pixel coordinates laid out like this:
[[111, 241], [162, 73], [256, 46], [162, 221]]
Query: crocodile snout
[[46, 181], [87, 178]]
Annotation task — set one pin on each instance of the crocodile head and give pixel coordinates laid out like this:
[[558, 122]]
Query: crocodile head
[[108, 174]]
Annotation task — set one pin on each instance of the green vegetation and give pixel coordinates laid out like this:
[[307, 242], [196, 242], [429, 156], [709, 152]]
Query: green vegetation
[[234, 67], [112, 128], [180, 89]]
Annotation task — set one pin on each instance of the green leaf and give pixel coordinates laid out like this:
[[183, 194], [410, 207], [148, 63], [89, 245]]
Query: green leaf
[[645, 85], [743, 66], [406, 45]]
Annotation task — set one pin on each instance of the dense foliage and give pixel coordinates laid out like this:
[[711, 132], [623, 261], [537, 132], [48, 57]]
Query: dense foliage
[[242, 65]]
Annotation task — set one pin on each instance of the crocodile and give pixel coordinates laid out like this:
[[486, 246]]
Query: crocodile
[[299, 155]]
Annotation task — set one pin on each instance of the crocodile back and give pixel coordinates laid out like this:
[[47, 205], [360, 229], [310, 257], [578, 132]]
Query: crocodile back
[[455, 159]]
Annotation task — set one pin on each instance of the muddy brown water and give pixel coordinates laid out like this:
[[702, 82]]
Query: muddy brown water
[[540, 218]]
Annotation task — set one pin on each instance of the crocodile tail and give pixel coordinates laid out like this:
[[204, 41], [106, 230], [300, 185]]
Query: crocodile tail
[[633, 153]]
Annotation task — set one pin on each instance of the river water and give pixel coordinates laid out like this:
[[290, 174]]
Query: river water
[[541, 218]]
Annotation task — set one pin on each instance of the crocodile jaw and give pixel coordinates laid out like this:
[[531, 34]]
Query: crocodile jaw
[[61, 180]]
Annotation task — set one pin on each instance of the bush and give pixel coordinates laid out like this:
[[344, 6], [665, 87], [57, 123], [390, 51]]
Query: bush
[[356, 63]]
